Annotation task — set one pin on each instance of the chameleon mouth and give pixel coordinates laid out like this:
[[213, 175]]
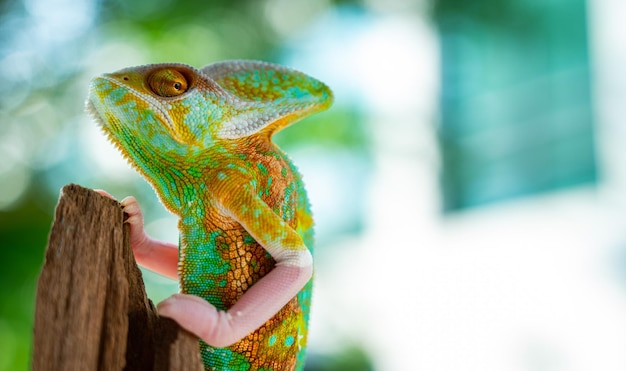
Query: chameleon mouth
[[95, 104]]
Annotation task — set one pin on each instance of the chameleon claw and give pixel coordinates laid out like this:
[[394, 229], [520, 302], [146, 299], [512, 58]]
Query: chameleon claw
[[132, 209]]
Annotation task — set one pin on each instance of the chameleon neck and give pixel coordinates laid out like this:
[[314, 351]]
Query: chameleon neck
[[180, 180]]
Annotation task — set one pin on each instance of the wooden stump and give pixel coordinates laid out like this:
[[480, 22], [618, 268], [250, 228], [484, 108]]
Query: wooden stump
[[92, 312]]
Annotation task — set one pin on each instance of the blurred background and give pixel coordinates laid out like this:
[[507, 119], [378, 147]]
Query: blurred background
[[468, 183]]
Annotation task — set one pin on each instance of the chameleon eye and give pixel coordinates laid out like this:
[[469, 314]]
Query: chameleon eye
[[167, 82]]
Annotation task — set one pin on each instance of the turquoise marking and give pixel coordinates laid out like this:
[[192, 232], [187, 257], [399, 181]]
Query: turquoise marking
[[272, 340], [202, 111], [297, 93], [262, 168], [103, 85], [226, 358], [130, 112], [289, 340], [117, 94], [288, 212]]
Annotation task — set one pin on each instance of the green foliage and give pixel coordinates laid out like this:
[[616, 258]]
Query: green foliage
[[337, 127], [23, 232], [221, 30], [352, 357]]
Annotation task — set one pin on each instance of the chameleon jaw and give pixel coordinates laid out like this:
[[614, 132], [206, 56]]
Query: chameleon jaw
[[105, 126], [96, 104]]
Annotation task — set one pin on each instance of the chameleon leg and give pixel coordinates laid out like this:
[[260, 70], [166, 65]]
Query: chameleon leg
[[293, 269], [254, 308]]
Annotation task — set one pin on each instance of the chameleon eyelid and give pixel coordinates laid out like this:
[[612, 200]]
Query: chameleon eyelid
[[167, 82]]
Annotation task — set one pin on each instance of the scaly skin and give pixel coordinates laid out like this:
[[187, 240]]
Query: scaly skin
[[202, 138]]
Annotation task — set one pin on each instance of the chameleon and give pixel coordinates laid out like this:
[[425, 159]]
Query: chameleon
[[203, 139]]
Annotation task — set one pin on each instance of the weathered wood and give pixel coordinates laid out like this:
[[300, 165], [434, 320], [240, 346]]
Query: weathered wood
[[92, 312]]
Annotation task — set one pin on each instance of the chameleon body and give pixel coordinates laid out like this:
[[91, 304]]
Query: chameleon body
[[203, 140]]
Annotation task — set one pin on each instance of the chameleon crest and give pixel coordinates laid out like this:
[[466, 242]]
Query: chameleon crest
[[203, 140]]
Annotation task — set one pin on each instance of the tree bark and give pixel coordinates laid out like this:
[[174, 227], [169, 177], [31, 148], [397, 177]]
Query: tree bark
[[92, 312]]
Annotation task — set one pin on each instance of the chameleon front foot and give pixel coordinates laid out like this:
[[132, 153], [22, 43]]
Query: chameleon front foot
[[224, 328], [158, 256]]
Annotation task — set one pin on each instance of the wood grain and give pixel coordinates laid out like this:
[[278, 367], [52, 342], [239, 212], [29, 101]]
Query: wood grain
[[92, 312]]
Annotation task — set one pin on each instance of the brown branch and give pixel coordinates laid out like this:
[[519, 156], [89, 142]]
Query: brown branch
[[92, 312]]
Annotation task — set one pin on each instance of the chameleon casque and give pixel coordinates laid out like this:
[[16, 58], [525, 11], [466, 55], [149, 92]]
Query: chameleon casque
[[203, 140]]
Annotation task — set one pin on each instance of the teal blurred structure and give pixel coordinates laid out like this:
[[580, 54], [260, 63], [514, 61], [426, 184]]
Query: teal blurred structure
[[517, 113]]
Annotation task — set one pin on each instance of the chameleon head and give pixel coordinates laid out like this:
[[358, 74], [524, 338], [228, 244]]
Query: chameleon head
[[177, 110], [172, 113]]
